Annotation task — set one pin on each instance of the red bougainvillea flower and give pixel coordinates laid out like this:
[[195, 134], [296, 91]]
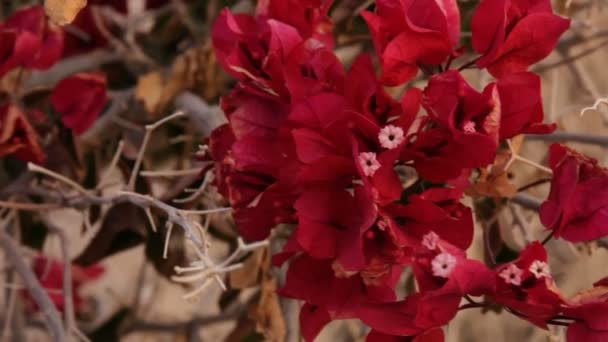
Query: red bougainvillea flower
[[254, 160], [367, 96], [332, 223], [17, 136], [28, 39], [253, 51], [527, 287], [462, 130], [79, 99], [577, 206], [330, 293], [521, 105], [589, 309], [312, 69], [50, 274], [309, 17], [444, 275], [511, 35], [435, 210], [411, 33]]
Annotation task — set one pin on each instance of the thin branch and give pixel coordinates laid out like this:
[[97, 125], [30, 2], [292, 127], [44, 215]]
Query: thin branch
[[171, 173], [515, 156], [28, 206], [38, 169], [201, 271], [105, 177], [169, 227], [48, 309], [144, 145], [521, 222], [208, 178], [584, 138], [68, 296], [526, 201]]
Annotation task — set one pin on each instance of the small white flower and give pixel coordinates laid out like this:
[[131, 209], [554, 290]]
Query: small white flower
[[369, 163], [443, 264], [391, 136], [469, 127], [540, 269], [512, 275], [430, 240]]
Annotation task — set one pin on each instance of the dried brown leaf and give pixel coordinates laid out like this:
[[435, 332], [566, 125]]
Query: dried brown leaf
[[494, 181], [63, 12], [253, 270], [149, 90], [517, 142], [267, 314]]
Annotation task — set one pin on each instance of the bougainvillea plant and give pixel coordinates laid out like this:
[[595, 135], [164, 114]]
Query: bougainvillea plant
[[322, 147], [371, 173]]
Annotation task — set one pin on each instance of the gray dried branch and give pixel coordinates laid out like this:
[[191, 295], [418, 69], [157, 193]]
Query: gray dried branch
[[48, 309]]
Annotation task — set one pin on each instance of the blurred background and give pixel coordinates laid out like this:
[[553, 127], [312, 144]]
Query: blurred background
[[158, 58]]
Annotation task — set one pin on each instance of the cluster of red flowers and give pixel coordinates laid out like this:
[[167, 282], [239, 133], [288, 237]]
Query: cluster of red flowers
[[312, 145], [29, 41]]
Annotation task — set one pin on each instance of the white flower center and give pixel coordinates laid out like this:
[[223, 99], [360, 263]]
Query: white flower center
[[369, 163], [430, 240], [540, 269], [512, 275], [391, 136], [443, 264], [469, 127]]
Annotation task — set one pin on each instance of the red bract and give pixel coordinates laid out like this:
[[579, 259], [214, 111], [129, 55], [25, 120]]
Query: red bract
[[589, 309], [367, 96], [253, 51], [444, 275], [309, 17], [29, 40], [312, 68], [50, 274], [527, 287], [330, 292], [434, 210], [253, 160], [17, 136], [462, 130], [79, 99], [577, 206], [521, 105], [409, 34], [511, 35], [332, 223]]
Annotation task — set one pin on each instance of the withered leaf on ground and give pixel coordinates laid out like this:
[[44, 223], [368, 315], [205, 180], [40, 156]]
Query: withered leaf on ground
[[62, 12], [124, 226]]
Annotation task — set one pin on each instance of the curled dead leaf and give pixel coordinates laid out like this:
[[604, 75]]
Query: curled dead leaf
[[63, 12], [494, 181], [195, 71], [253, 270], [267, 313], [149, 90]]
